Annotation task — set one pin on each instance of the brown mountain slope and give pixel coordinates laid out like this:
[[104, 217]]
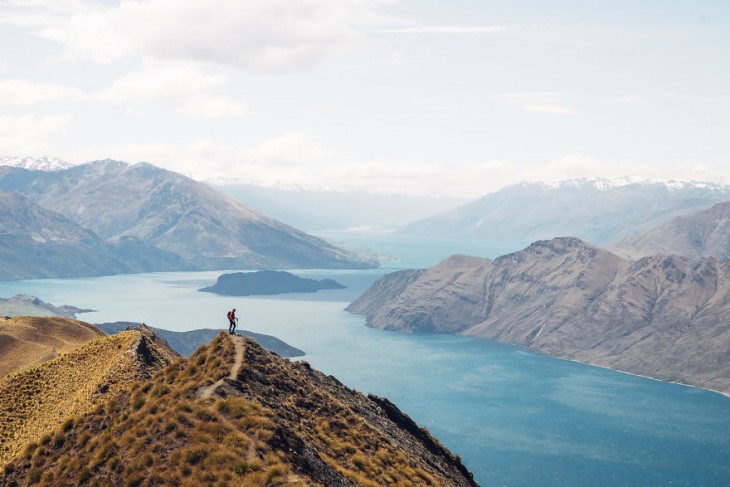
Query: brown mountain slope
[[27, 341], [235, 414], [175, 214], [38, 400], [663, 317], [702, 234]]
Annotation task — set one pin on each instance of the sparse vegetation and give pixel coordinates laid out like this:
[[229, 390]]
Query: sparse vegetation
[[164, 431]]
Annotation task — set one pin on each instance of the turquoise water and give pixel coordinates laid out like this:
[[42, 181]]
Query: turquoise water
[[516, 418]]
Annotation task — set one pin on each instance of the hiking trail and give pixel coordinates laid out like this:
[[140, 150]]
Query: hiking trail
[[238, 343]]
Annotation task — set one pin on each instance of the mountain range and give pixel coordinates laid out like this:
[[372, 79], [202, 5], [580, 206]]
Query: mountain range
[[36, 163], [316, 210], [702, 234], [666, 317], [598, 211], [120, 410], [132, 218]]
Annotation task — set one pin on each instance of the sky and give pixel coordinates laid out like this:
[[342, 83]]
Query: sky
[[431, 98]]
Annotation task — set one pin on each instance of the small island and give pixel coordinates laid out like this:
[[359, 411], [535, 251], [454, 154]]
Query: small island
[[264, 283]]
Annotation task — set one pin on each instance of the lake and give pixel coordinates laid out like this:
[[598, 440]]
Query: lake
[[516, 418]]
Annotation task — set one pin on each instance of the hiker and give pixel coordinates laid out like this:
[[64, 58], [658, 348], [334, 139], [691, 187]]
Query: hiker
[[232, 322]]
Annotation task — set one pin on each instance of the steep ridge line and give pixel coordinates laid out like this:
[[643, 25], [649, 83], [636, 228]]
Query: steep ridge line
[[235, 367]]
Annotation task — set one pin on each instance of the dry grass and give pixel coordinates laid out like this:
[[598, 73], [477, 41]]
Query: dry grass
[[28, 341], [160, 432], [36, 401]]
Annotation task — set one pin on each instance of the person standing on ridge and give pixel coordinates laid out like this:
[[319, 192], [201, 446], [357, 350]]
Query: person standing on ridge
[[232, 322]]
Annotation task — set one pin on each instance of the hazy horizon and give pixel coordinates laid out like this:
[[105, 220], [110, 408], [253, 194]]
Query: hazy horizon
[[426, 98]]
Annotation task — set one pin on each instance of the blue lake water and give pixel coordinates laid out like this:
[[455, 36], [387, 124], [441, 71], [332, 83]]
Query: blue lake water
[[515, 418]]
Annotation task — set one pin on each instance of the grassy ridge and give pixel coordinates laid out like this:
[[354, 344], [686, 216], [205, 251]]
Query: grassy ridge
[[275, 423], [159, 432], [37, 400], [26, 341]]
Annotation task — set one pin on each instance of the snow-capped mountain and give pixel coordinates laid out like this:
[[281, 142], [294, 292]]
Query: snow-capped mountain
[[36, 163], [599, 211]]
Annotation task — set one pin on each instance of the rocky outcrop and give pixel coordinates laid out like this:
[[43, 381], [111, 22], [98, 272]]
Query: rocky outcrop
[[702, 234], [665, 317]]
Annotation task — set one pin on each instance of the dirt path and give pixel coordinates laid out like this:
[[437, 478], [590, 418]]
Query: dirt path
[[238, 343]]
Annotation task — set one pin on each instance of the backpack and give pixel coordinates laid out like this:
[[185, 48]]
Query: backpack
[[230, 313]]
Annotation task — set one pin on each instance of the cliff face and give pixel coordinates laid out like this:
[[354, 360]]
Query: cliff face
[[235, 414], [664, 317], [702, 234]]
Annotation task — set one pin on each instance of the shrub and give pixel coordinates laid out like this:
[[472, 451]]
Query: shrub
[[241, 468]]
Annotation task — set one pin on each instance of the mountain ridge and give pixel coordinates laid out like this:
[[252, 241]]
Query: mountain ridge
[[235, 414], [35, 401], [174, 214], [665, 317], [36, 163], [596, 211], [702, 234], [41, 243]]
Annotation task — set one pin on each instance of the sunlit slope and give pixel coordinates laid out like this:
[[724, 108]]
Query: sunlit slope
[[235, 414], [36, 401], [663, 316], [26, 341]]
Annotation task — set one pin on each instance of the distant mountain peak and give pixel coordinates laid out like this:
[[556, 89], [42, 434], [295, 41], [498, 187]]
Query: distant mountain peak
[[36, 163], [607, 184]]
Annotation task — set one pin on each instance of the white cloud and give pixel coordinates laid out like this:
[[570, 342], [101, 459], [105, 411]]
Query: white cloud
[[448, 29], [461, 29], [184, 86], [288, 150], [213, 106], [22, 92], [255, 35], [543, 102], [29, 134], [161, 81]]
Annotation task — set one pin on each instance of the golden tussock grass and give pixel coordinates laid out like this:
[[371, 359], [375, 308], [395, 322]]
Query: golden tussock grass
[[38, 400], [26, 341], [160, 432]]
